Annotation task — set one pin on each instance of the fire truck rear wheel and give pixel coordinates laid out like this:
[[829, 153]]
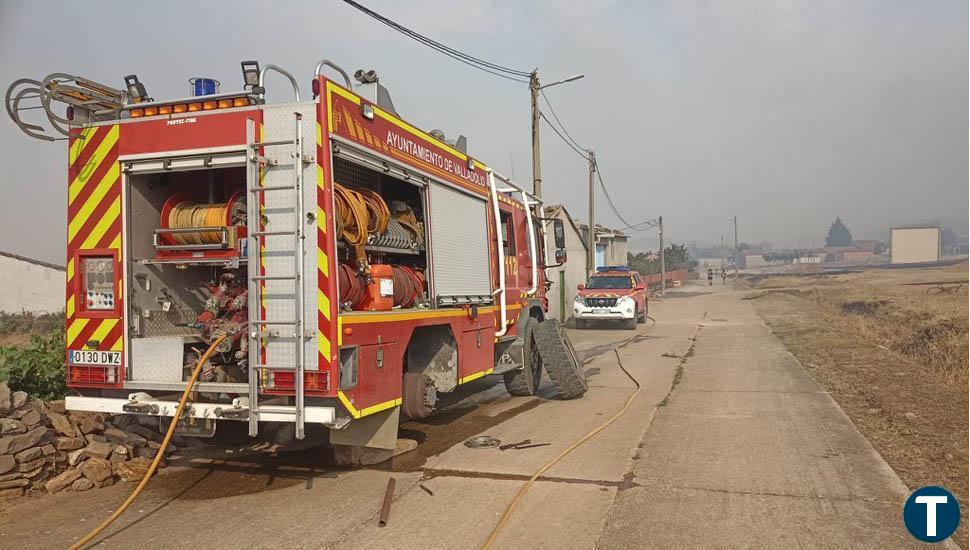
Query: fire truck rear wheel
[[525, 381], [560, 360], [419, 396]]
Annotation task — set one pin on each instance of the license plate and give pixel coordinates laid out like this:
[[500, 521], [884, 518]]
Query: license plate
[[191, 427], [94, 357], [601, 312]]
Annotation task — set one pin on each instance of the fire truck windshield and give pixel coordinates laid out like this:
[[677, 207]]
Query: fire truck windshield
[[619, 281]]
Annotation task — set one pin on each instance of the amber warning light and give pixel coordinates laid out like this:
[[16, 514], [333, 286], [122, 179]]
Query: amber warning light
[[191, 106]]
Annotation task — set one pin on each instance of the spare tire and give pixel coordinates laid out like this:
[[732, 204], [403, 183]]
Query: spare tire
[[560, 360]]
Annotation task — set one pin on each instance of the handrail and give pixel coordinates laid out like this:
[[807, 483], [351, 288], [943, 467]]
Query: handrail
[[528, 201], [519, 188], [500, 252], [532, 243], [334, 66], [282, 71]]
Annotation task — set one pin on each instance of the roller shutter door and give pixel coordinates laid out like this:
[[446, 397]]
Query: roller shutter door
[[459, 247]]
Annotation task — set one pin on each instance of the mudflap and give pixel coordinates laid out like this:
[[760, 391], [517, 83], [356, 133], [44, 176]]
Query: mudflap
[[378, 430]]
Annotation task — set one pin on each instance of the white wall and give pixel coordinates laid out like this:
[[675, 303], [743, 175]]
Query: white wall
[[574, 270], [616, 250], [914, 245], [26, 286], [753, 260]]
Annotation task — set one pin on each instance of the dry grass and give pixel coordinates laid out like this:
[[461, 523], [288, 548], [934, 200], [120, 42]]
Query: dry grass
[[893, 356], [16, 329]]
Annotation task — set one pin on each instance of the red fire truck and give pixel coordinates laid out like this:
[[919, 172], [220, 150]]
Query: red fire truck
[[356, 265]]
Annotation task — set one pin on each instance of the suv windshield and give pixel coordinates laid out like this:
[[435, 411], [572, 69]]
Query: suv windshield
[[619, 281]]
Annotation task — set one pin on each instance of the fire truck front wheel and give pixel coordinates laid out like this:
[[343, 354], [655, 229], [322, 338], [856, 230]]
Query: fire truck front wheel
[[525, 381], [560, 360], [419, 395]]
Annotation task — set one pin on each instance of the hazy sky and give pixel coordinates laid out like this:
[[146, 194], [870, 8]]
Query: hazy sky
[[785, 113]]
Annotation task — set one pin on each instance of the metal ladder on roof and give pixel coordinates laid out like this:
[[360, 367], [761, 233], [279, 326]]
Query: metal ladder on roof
[[262, 329]]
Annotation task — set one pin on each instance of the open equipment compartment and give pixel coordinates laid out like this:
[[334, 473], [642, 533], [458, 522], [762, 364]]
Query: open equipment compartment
[[186, 286], [384, 267]]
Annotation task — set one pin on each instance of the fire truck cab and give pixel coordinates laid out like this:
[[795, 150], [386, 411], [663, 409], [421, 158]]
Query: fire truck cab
[[356, 265]]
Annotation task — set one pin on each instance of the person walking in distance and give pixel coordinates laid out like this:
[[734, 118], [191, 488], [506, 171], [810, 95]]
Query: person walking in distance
[[710, 277], [723, 275]]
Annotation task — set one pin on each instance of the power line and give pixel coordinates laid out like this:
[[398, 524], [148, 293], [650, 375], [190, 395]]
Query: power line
[[632, 227], [641, 226], [465, 58], [509, 74], [579, 151], [561, 125], [434, 44]]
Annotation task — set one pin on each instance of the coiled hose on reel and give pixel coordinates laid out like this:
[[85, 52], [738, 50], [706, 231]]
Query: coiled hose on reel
[[180, 213], [408, 286], [360, 213]]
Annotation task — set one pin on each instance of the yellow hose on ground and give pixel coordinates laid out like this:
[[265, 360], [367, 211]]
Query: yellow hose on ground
[[518, 496], [158, 455]]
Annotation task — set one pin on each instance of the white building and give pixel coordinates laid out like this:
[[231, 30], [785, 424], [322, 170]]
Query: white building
[[611, 245], [565, 277], [30, 285], [914, 244]]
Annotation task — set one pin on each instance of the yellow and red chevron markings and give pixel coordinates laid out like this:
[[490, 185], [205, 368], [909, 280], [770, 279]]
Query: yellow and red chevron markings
[[93, 222], [326, 308]]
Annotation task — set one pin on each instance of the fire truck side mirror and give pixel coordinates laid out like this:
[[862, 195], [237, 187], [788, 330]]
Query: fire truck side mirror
[[559, 235]]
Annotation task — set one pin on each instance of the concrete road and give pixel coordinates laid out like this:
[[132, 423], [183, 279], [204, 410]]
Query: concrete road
[[728, 443]]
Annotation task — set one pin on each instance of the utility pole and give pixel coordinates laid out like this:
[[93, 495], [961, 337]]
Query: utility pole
[[663, 261], [723, 253], [534, 88], [737, 253], [536, 165], [591, 233]]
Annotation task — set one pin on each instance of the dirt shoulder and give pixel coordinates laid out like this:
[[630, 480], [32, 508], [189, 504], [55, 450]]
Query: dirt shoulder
[[894, 356]]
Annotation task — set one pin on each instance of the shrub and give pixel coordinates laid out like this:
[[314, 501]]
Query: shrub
[[30, 323], [37, 367]]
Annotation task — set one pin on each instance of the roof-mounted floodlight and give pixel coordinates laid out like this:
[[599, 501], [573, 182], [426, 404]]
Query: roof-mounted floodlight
[[250, 70], [136, 90]]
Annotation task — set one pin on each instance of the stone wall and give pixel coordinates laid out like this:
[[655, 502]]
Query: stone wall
[[44, 448]]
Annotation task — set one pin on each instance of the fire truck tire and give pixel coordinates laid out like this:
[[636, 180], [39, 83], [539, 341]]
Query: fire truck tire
[[525, 381], [419, 395], [560, 360], [642, 318]]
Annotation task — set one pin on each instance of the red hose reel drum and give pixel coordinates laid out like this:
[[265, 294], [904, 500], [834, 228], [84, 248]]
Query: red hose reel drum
[[235, 209], [408, 286]]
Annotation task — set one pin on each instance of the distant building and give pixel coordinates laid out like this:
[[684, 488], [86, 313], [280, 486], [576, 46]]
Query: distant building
[[30, 285], [611, 245], [565, 277], [751, 258], [845, 255], [871, 245], [914, 244]]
